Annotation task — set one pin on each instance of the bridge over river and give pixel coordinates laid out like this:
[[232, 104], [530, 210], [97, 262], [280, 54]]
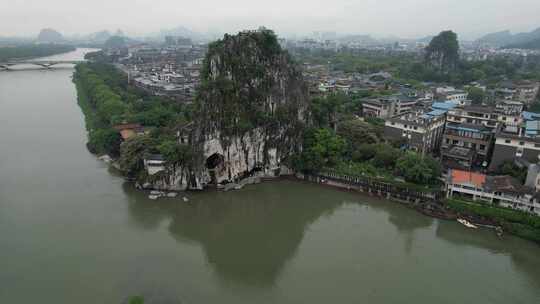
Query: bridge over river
[[38, 63]]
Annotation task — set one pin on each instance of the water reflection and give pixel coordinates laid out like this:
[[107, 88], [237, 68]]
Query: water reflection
[[247, 236], [522, 253]]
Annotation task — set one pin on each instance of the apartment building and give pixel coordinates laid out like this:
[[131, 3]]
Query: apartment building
[[517, 141], [388, 106], [468, 136], [524, 91], [420, 130]]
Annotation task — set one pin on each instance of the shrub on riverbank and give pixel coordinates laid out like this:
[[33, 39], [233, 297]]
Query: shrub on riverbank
[[516, 222]]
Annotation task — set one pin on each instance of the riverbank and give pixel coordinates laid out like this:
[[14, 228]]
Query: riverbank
[[73, 231], [515, 222], [25, 52]]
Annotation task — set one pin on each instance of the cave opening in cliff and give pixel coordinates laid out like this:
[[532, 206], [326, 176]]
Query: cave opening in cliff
[[214, 161], [214, 164]]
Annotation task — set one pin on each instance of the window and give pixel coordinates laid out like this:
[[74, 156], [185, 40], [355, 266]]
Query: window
[[392, 123], [537, 145], [521, 143], [508, 141], [482, 147], [416, 128]]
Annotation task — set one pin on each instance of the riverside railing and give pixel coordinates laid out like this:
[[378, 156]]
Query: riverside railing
[[402, 192]]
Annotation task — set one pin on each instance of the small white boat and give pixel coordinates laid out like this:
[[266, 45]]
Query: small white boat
[[185, 199], [172, 194], [467, 223], [155, 192], [153, 197]]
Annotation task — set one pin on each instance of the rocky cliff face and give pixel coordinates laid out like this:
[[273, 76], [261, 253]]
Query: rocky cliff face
[[251, 112]]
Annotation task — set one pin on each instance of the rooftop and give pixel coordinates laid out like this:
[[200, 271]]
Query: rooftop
[[478, 109], [467, 177], [505, 183], [530, 115], [443, 105], [467, 127]]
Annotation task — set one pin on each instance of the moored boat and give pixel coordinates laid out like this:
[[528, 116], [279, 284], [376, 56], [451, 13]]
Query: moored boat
[[466, 223]]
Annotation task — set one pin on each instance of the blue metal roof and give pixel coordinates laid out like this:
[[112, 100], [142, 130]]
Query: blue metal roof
[[443, 105], [530, 115], [462, 129], [436, 112]]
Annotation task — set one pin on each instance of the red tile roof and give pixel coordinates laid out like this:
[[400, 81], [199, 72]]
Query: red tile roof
[[467, 177]]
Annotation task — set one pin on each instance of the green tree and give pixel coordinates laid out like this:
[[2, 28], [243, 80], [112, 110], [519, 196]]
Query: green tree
[[136, 300], [364, 152], [356, 132], [324, 110], [509, 167], [132, 153], [328, 145], [476, 95], [104, 141], [322, 147], [175, 153], [417, 169], [385, 156]]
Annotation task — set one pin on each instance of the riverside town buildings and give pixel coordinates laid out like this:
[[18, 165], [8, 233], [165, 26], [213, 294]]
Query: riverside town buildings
[[468, 135], [419, 130], [504, 191], [471, 141], [523, 91], [388, 107], [170, 70]]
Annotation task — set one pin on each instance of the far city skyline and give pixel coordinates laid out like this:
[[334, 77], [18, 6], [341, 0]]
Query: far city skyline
[[381, 18]]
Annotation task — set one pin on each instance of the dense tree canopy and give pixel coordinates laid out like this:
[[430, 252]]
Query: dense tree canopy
[[419, 169], [33, 50], [107, 100]]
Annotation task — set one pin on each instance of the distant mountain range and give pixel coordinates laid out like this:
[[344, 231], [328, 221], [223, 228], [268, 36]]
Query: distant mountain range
[[529, 45], [49, 35], [508, 40], [504, 39]]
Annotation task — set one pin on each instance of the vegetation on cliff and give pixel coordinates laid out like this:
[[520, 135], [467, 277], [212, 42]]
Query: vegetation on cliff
[[249, 82], [443, 51]]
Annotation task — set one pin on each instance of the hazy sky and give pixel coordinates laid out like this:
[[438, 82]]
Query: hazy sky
[[405, 18]]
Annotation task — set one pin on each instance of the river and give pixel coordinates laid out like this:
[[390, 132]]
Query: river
[[72, 231]]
